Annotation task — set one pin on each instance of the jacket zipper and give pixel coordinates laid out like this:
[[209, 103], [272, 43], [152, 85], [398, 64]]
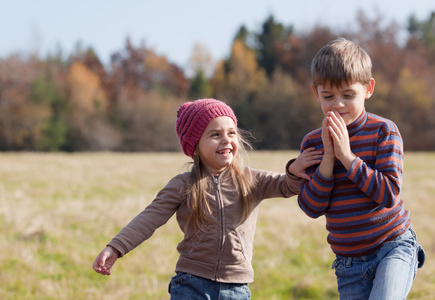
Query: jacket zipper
[[216, 181]]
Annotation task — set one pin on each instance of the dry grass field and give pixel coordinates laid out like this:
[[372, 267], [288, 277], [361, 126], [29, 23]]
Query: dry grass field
[[57, 212]]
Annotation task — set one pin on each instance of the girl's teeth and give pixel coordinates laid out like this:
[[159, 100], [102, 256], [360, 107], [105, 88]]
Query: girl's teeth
[[224, 151]]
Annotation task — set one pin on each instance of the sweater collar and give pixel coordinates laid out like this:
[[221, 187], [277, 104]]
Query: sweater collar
[[358, 124]]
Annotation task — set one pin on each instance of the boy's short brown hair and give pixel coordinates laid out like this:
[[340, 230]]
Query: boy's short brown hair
[[341, 61]]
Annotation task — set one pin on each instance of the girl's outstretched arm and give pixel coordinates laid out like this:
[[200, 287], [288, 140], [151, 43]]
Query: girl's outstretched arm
[[306, 159], [105, 260]]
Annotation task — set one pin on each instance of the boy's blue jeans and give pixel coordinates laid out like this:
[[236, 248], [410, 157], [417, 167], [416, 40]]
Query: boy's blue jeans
[[185, 286], [388, 273]]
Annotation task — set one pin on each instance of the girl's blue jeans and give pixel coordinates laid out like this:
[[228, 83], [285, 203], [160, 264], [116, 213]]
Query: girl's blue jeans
[[388, 273], [185, 286]]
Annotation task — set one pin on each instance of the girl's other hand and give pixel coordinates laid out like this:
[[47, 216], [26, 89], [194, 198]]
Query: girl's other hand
[[105, 261]]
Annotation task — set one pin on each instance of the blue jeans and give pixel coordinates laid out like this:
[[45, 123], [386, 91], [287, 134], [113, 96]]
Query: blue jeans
[[185, 286], [387, 273]]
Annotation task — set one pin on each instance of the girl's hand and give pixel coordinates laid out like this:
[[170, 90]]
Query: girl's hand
[[105, 261], [306, 159]]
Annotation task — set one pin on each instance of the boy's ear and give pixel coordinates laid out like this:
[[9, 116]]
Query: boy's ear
[[370, 88], [315, 91]]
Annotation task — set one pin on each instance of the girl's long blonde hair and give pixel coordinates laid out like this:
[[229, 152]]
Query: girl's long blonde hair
[[200, 181]]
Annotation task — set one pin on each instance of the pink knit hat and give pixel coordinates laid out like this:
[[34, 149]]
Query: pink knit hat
[[193, 118]]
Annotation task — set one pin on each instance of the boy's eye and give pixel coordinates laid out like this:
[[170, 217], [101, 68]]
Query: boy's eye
[[349, 95], [328, 97]]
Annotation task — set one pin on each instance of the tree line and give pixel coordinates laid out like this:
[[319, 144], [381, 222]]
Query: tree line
[[79, 104]]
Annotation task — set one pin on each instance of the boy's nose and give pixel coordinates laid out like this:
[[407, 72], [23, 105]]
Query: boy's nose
[[338, 103]]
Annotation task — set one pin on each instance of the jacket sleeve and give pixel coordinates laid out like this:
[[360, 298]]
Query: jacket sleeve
[[271, 184], [152, 217]]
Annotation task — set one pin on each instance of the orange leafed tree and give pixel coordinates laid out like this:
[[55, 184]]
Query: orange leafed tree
[[88, 111]]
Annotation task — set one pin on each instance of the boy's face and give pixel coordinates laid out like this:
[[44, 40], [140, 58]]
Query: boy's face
[[347, 100]]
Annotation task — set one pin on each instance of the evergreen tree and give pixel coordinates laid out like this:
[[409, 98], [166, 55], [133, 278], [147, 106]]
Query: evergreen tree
[[272, 33]]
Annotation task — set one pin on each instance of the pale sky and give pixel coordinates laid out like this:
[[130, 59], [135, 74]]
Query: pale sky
[[172, 27]]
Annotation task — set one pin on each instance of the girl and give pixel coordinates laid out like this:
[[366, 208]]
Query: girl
[[216, 205]]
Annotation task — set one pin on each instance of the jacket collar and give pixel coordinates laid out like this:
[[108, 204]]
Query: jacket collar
[[221, 174]]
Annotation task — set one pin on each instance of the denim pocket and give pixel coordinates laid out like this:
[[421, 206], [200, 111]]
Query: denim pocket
[[179, 279], [421, 256]]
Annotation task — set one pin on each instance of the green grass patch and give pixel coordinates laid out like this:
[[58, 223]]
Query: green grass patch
[[58, 211]]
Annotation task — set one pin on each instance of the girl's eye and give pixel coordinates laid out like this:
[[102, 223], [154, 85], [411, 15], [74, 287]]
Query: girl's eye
[[232, 133]]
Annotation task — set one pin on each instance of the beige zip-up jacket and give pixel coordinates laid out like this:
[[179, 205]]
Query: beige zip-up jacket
[[222, 251]]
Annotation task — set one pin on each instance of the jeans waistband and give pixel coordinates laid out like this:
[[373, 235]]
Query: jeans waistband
[[349, 259]]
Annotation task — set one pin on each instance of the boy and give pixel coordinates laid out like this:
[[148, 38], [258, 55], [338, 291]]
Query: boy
[[357, 185]]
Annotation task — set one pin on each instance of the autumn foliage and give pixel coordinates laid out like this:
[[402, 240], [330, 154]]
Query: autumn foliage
[[79, 104]]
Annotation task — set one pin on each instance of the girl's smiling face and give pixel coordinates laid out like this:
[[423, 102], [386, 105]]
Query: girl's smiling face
[[347, 100], [218, 144]]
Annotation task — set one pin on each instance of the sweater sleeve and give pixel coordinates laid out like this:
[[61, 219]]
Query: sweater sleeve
[[383, 182], [314, 194], [152, 217]]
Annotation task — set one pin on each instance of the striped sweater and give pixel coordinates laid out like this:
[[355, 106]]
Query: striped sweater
[[362, 205]]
